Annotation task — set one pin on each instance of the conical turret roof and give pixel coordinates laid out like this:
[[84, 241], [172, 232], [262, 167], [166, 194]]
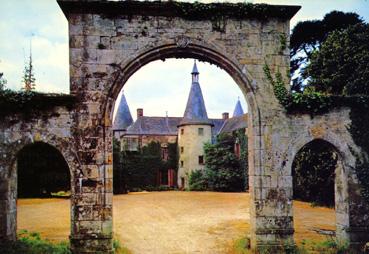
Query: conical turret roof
[[123, 117], [194, 69], [238, 111], [195, 112]]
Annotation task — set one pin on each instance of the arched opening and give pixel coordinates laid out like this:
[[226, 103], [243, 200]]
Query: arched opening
[[43, 189], [319, 180], [203, 201], [42, 172]]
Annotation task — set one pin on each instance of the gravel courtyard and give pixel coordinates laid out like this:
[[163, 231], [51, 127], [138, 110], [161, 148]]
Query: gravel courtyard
[[172, 222]]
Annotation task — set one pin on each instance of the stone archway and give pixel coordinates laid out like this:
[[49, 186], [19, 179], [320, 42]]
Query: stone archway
[[9, 177], [341, 194], [109, 41], [331, 127]]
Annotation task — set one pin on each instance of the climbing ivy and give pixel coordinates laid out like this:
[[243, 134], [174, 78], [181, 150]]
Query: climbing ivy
[[314, 103], [309, 102], [283, 42], [30, 102]]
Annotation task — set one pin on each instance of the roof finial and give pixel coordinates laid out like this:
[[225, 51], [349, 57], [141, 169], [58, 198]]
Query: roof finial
[[195, 73]]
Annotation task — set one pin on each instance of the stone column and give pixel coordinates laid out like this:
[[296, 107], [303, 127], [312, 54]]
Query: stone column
[[8, 202], [270, 189], [92, 203]]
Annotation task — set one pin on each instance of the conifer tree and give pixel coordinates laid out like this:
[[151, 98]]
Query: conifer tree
[[2, 82], [29, 76]]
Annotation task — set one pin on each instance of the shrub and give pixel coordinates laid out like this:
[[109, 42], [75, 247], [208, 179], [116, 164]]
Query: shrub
[[224, 171], [197, 180]]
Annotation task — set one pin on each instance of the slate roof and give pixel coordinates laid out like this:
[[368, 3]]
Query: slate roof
[[234, 123], [238, 111], [162, 125], [123, 117], [154, 125], [194, 69], [218, 124], [195, 112]]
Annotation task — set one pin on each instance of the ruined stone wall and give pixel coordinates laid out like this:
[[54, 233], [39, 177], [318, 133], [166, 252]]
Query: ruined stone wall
[[17, 131], [351, 223], [106, 48]]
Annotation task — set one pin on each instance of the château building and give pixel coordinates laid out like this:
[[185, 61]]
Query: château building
[[191, 132]]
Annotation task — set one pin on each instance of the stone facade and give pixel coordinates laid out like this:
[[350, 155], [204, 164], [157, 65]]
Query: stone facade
[[107, 47], [190, 147]]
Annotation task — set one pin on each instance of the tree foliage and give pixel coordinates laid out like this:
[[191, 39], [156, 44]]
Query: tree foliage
[[29, 80], [308, 36], [223, 170], [197, 180], [2, 82], [341, 67]]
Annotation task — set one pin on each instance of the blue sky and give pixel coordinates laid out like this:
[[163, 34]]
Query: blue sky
[[168, 84]]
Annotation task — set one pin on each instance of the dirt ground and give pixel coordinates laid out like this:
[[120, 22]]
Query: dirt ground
[[172, 222]]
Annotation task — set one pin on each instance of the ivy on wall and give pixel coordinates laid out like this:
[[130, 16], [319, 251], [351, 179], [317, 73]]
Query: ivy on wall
[[29, 102]]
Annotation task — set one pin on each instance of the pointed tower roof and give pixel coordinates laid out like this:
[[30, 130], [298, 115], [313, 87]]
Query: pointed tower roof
[[123, 117], [238, 111], [194, 69], [195, 112]]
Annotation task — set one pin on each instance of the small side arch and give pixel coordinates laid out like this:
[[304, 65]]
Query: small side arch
[[8, 179], [341, 191]]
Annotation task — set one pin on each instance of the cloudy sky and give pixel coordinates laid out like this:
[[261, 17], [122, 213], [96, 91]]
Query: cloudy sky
[[157, 87]]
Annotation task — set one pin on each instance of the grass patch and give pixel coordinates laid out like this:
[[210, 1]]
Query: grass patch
[[32, 243], [119, 249], [61, 194], [241, 246], [329, 246]]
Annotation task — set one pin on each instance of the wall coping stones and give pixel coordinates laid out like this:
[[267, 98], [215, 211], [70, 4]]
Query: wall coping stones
[[190, 11]]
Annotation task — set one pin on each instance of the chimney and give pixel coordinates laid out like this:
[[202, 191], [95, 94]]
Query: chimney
[[140, 112], [225, 115]]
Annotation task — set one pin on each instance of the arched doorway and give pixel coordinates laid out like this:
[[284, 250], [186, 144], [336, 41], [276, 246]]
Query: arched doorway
[[320, 178], [42, 172], [40, 179]]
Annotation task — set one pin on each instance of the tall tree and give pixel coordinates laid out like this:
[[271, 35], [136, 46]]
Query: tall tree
[[308, 36], [341, 67], [29, 80], [2, 81]]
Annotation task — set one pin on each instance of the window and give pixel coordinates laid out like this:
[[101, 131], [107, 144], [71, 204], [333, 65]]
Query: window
[[182, 131], [182, 164], [164, 153], [201, 131], [201, 159], [131, 144], [182, 149]]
